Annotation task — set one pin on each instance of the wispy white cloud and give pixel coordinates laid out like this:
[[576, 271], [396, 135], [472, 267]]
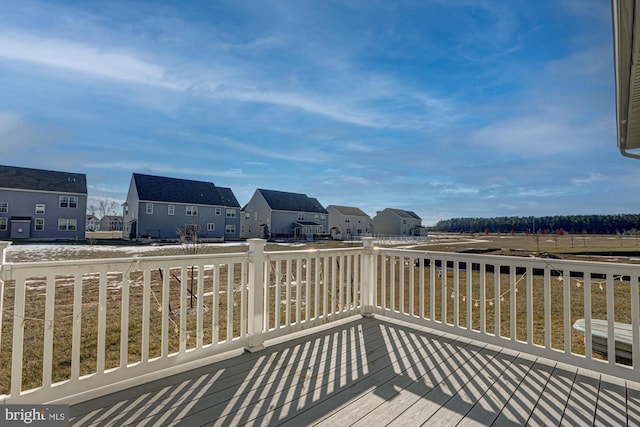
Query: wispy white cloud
[[458, 103], [105, 62], [592, 178], [297, 154], [460, 190], [170, 170]]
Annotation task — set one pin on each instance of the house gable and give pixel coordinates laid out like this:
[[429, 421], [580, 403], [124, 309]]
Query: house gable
[[405, 214], [348, 211], [346, 222], [152, 188], [293, 202], [227, 197]]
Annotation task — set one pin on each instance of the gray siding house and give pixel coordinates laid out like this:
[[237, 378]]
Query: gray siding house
[[273, 214], [172, 208], [42, 204], [346, 222], [398, 222]]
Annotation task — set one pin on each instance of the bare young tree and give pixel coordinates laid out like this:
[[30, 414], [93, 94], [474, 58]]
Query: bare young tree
[[189, 240], [103, 208]]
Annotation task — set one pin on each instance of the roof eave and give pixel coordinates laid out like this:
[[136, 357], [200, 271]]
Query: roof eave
[[626, 30]]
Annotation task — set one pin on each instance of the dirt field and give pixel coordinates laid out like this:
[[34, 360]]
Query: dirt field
[[610, 248]]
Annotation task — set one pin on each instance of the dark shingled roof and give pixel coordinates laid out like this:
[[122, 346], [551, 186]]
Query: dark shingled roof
[[284, 201], [405, 214], [228, 198], [347, 210], [162, 189], [42, 180]]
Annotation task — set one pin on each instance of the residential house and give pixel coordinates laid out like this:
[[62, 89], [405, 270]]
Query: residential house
[[111, 223], [276, 214], [398, 222], [626, 27], [92, 223], [171, 208], [346, 222], [42, 204]]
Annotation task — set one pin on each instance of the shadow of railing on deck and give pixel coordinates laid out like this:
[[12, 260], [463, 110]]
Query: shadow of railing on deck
[[344, 375]]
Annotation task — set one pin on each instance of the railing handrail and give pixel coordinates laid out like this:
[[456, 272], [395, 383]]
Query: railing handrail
[[510, 259]]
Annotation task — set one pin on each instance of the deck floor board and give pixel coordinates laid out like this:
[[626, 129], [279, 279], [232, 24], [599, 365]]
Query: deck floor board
[[372, 371]]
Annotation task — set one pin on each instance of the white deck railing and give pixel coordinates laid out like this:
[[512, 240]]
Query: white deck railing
[[89, 327], [526, 304]]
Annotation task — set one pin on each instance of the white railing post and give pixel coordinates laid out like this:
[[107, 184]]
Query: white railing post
[[3, 258], [255, 308], [368, 288], [3, 261], [3, 276]]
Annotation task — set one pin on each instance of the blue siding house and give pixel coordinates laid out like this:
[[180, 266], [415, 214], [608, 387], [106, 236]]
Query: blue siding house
[[42, 204], [172, 208]]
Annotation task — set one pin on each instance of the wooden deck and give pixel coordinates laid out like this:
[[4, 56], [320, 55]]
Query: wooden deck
[[373, 371]]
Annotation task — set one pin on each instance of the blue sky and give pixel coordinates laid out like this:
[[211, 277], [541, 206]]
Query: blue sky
[[449, 108]]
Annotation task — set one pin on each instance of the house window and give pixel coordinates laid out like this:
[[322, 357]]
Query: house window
[[231, 213], [230, 229], [218, 211], [39, 224], [300, 216], [323, 218], [39, 209], [171, 210], [4, 207], [126, 210], [192, 211], [67, 224], [247, 215], [211, 226], [316, 217], [69, 202], [347, 220], [149, 208], [255, 216], [3, 223]]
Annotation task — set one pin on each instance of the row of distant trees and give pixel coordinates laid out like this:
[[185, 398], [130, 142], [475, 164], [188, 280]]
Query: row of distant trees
[[574, 224]]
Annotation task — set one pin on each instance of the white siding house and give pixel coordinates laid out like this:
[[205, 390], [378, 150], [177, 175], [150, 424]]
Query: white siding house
[[110, 223], [92, 223]]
